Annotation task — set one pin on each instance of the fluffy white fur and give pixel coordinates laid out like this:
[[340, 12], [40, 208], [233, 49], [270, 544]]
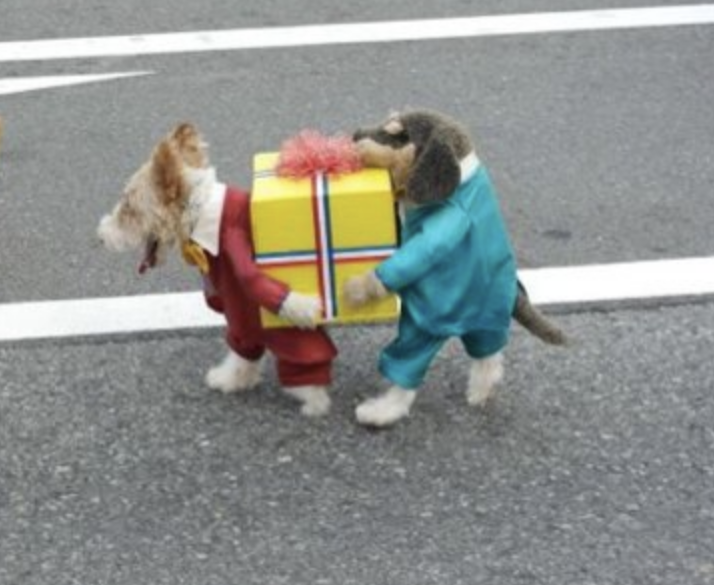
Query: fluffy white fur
[[484, 376], [315, 399], [301, 310], [395, 403], [386, 409], [235, 373], [115, 238], [142, 214]]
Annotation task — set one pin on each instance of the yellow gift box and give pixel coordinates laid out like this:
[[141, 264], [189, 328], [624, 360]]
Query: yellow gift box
[[315, 233]]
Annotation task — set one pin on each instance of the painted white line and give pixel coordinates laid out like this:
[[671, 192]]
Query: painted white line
[[103, 316], [370, 32], [23, 84], [601, 283]]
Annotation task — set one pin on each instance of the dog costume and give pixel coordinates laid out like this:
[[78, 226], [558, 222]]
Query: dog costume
[[456, 275], [235, 287], [455, 271]]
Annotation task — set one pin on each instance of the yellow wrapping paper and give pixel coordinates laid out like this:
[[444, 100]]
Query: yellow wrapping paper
[[314, 233]]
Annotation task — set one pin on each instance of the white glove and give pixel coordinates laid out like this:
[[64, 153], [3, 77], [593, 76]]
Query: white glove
[[360, 290], [301, 310]]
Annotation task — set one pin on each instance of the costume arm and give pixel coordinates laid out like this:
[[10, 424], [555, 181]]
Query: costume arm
[[264, 290], [213, 300], [415, 258]]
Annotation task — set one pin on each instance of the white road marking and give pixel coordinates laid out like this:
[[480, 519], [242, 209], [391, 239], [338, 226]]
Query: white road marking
[[603, 283], [562, 285], [600, 283], [14, 85], [102, 316], [369, 32]]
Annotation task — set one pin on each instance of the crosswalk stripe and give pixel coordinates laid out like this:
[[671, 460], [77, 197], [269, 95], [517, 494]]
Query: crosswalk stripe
[[13, 85], [590, 284], [367, 32]]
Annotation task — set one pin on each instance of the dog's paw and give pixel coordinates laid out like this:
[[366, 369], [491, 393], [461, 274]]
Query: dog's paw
[[359, 290], [356, 291], [484, 376], [387, 409], [303, 311], [234, 374], [315, 399]]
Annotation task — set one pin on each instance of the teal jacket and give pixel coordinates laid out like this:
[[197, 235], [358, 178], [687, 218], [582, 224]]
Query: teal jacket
[[455, 270]]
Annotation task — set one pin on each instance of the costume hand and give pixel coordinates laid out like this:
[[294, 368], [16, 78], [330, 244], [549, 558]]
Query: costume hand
[[301, 310], [359, 290]]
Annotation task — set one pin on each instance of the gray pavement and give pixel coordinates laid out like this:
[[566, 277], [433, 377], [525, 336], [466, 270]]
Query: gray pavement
[[45, 19], [600, 143], [594, 466]]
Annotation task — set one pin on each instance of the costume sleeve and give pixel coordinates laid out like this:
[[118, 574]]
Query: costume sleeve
[[440, 234], [261, 288], [213, 299]]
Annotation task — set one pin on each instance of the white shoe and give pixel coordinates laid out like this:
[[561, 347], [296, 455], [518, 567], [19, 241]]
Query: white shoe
[[386, 409], [234, 373], [315, 399], [484, 375]]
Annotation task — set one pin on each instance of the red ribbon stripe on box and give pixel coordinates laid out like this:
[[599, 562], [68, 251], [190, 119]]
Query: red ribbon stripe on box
[[324, 256]]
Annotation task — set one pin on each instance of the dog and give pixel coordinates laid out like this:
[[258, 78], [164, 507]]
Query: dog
[[175, 199], [455, 270]]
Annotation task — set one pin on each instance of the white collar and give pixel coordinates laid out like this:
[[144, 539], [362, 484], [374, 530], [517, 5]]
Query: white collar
[[468, 166], [205, 208]]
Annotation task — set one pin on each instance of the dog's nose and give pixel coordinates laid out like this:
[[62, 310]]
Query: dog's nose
[[359, 135], [102, 228]]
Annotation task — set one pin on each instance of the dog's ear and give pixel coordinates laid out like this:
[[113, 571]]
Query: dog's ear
[[166, 170], [435, 173], [189, 144], [184, 133]]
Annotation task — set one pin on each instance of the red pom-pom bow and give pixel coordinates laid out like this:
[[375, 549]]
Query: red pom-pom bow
[[311, 152]]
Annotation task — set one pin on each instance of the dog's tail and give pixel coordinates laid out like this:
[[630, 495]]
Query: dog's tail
[[535, 322]]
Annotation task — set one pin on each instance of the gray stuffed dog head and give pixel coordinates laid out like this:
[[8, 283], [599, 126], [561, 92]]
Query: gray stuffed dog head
[[422, 149]]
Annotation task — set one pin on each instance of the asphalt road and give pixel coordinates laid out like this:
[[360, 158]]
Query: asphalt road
[[594, 466]]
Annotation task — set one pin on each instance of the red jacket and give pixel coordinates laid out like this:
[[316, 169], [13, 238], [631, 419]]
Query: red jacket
[[237, 288]]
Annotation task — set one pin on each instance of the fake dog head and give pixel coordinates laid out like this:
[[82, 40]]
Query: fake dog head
[[422, 150], [150, 212]]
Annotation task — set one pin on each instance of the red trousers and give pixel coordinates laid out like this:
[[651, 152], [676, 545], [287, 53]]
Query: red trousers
[[236, 287], [303, 357]]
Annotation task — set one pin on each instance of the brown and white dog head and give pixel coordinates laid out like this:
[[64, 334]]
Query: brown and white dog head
[[150, 212], [421, 148]]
